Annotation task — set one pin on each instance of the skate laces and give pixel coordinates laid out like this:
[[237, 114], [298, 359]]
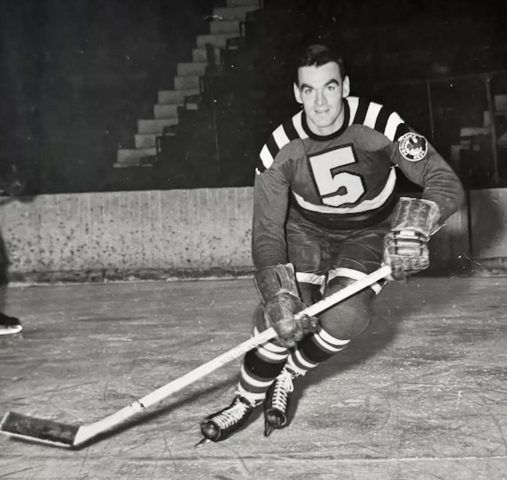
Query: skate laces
[[233, 414], [284, 384]]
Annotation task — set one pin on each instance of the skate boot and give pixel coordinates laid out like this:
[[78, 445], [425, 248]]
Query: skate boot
[[9, 325], [218, 426], [276, 406]]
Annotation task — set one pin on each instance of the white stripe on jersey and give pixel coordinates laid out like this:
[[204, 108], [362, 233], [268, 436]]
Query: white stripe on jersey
[[372, 115], [266, 157], [364, 206], [310, 278], [297, 121], [393, 123], [353, 104], [280, 137]]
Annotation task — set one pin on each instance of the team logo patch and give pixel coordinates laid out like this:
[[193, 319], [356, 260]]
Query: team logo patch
[[413, 146]]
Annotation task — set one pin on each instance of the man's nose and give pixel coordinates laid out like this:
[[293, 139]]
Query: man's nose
[[320, 98]]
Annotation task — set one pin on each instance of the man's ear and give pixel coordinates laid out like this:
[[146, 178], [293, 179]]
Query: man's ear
[[297, 94], [346, 87]]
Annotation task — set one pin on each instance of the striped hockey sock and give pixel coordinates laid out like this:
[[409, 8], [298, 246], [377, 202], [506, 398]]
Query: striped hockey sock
[[313, 350], [260, 367]]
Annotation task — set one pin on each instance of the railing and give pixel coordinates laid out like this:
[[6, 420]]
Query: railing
[[464, 116]]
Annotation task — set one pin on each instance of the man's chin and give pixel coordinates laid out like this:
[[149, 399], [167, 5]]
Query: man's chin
[[324, 123], [324, 119]]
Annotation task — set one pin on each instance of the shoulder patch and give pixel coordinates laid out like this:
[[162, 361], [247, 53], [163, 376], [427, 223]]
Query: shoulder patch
[[413, 147]]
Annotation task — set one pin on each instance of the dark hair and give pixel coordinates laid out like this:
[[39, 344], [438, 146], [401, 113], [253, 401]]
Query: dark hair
[[317, 55]]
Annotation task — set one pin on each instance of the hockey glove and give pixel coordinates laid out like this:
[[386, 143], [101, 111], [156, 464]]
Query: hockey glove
[[406, 245], [280, 302]]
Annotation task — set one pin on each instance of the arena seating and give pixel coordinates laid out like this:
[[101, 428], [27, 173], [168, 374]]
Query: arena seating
[[249, 93]]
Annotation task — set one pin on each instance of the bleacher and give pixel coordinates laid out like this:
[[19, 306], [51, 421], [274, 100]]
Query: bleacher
[[426, 69]]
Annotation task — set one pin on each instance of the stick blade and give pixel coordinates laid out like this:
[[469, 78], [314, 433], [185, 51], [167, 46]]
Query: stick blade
[[39, 430]]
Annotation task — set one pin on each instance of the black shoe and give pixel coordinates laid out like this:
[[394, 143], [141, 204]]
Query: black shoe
[[276, 406], [9, 325], [220, 425]]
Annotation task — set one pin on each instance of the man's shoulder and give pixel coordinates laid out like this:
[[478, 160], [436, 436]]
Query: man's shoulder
[[293, 150], [377, 117], [283, 136]]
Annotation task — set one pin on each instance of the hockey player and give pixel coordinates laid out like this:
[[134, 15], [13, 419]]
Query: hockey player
[[11, 184], [325, 215]]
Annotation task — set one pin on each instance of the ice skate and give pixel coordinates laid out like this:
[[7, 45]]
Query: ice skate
[[222, 424], [9, 325], [276, 406]]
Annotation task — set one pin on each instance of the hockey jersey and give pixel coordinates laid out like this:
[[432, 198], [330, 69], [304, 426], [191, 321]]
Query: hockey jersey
[[346, 180]]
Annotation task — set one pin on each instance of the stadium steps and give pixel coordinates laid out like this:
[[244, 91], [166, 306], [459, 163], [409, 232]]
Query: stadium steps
[[225, 25]]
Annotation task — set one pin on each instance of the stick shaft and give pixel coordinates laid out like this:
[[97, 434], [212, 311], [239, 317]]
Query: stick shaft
[[347, 292], [191, 377]]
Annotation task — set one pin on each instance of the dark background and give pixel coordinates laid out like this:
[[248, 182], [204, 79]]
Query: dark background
[[75, 75]]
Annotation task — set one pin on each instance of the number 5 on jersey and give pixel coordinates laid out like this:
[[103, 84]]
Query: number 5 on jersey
[[336, 189]]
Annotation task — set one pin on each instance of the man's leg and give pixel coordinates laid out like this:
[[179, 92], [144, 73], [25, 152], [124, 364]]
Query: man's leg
[[8, 325], [264, 364], [358, 256], [260, 367]]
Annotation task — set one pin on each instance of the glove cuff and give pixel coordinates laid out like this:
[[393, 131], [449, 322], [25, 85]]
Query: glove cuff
[[273, 281], [416, 215]]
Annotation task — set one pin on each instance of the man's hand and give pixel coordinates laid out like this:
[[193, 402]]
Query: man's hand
[[279, 313], [406, 245], [280, 304], [406, 252]]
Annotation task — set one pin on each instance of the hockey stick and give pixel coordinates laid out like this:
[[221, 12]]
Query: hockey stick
[[64, 435]]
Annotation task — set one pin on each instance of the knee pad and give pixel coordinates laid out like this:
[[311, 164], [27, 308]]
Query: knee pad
[[351, 317]]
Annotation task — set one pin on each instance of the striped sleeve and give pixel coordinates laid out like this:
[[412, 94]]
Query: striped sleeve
[[440, 183], [377, 117], [284, 134]]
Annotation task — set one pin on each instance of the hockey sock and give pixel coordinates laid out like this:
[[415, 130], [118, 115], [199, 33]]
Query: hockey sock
[[315, 349], [260, 368]]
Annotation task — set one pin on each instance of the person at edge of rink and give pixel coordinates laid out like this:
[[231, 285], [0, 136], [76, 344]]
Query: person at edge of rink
[[11, 184], [326, 214]]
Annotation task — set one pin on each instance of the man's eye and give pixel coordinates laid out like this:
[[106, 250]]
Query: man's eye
[[331, 87], [307, 91]]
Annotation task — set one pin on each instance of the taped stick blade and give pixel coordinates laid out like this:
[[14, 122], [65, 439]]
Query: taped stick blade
[[39, 430]]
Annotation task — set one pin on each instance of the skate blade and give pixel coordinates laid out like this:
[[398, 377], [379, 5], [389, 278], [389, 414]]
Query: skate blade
[[10, 330], [268, 429], [273, 421], [202, 442]]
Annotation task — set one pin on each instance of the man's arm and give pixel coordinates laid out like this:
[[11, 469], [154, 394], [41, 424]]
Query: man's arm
[[424, 166], [271, 200], [415, 220], [275, 276]]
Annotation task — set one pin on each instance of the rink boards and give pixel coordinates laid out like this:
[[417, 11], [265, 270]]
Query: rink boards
[[193, 233]]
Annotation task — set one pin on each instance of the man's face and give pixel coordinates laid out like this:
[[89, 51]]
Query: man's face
[[321, 91]]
